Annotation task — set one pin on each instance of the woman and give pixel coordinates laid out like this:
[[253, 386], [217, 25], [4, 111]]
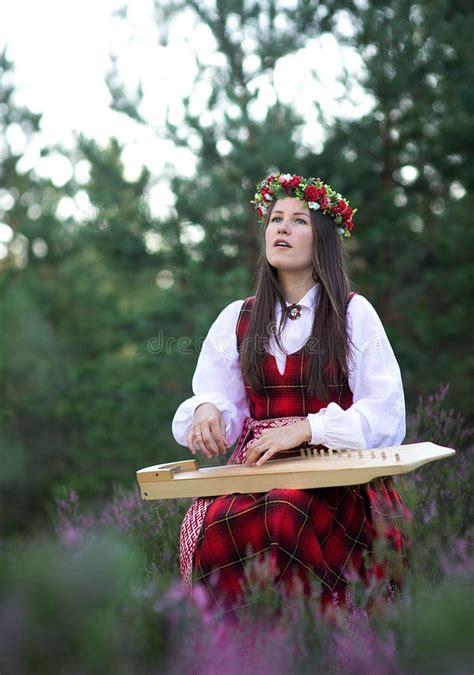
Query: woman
[[303, 361]]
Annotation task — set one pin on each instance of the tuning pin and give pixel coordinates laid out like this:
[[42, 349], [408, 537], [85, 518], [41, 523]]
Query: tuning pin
[[397, 457], [361, 454], [372, 454], [384, 456]]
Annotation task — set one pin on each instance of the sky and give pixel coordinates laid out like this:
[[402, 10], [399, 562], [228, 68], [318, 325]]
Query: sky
[[61, 52]]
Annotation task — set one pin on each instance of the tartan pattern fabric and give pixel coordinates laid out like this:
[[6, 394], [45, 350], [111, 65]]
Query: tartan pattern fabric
[[299, 529], [194, 518], [319, 534], [286, 395]]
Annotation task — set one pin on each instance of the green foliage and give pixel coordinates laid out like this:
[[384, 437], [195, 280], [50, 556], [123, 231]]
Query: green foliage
[[152, 527], [439, 619], [87, 395], [91, 369], [440, 495], [93, 606], [102, 595], [406, 168], [59, 608]]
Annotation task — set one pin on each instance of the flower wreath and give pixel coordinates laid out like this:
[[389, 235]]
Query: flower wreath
[[319, 195]]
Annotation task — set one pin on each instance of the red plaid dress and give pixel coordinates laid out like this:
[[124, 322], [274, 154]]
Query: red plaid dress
[[320, 534]]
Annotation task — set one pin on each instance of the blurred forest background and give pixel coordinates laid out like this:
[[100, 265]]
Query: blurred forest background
[[88, 391]]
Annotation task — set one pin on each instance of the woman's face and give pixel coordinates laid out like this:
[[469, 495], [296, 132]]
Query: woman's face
[[291, 222]]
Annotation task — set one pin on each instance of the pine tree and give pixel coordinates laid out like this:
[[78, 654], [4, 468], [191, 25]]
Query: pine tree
[[407, 165]]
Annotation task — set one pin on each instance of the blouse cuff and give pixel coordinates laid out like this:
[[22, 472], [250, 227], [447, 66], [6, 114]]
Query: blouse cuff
[[316, 423], [183, 418]]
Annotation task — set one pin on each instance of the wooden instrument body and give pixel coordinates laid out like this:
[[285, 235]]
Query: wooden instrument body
[[314, 469]]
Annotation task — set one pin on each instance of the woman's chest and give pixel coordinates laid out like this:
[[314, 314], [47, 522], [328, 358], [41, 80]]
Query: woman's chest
[[293, 338]]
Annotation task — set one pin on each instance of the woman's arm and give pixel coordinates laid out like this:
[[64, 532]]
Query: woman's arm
[[217, 379], [377, 416]]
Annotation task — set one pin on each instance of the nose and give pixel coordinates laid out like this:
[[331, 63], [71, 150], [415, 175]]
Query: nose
[[282, 227]]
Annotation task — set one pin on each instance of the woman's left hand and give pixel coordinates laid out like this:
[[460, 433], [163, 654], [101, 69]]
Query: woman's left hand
[[274, 440]]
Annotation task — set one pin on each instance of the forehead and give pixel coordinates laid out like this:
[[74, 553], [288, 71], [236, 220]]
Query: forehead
[[291, 205]]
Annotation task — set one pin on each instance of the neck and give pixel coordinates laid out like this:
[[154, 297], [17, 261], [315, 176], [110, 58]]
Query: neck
[[295, 288]]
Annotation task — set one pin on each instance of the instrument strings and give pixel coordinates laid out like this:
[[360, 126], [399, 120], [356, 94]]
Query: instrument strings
[[346, 453]]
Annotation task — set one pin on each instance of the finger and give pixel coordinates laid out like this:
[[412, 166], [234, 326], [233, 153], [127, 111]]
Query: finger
[[254, 453], [198, 441], [248, 452], [266, 456], [209, 442], [254, 444], [190, 443], [218, 437], [202, 448], [224, 436]]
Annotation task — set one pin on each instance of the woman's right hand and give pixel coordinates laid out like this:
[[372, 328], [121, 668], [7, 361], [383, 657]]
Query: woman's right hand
[[207, 434]]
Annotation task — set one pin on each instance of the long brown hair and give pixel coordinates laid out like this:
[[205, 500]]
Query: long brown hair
[[327, 351]]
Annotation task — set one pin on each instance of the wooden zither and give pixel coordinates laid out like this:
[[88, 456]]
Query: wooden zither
[[315, 468]]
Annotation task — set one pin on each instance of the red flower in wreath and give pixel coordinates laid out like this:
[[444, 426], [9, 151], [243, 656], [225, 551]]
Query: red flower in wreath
[[317, 193], [339, 207], [266, 191], [295, 181], [312, 194], [347, 215]]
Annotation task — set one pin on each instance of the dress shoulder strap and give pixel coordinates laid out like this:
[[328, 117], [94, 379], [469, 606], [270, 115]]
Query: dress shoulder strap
[[243, 320], [349, 297]]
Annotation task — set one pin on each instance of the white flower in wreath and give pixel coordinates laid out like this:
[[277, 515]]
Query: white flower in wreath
[[285, 176], [314, 205]]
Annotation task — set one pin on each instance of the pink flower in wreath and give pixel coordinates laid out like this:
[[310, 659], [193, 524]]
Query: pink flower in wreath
[[324, 203]]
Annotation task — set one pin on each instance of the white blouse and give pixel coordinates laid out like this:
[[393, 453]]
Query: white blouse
[[375, 419]]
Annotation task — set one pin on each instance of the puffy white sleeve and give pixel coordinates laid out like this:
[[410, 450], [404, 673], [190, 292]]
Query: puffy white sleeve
[[377, 416], [217, 379]]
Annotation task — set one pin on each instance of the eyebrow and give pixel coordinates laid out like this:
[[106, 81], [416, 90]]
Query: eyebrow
[[296, 213]]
